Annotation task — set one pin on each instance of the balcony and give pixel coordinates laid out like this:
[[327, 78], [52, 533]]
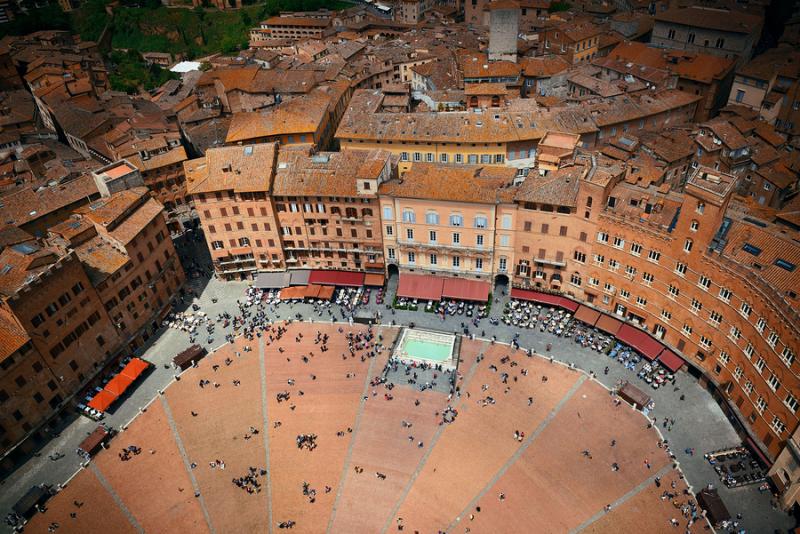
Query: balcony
[[550, 262], [419, 245], [238, 259]]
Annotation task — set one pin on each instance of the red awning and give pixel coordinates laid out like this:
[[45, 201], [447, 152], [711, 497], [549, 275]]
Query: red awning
[[94, 440], [670, 360], [608, 324], [587, 315], [118, 385], [640, 340], [458, 288], [134, 368], [336, 278], [102, 401], [568, 304], [536, 296], [420, 286], [758, 452]]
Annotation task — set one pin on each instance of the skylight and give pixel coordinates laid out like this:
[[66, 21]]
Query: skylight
[[752, 249]]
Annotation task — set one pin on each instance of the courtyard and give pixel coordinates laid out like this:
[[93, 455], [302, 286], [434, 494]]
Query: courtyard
[[545, 480]]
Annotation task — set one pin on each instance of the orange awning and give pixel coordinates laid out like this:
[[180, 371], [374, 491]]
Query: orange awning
[[134, 368], [374, 279], [587, 315], [608, 324], [102, 401], [294, 292], [326, 292], [117, 385]]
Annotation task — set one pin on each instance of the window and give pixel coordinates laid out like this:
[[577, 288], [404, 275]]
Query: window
[[594, 282], [715, 318], [456, 220], [737, 373], [787, 356], [389, 229], [725, 294], [777, 426], [432, 259], [459, 158], [773, 383], [480, 221], [749, 350], [456, 238], [580, 257], [720, 43], [391, 253], [700, 208], [387, 213], [687, 330], [624, 294], [479, 240], [608, 287], [666, 315], [791, 402], [403, 156], [654, 256], [748, 387], [409, 216], [673, 291], [687, 246], [410, 234], [630, 270], [599, 259], [456, 262], [575, 279], [412, 257], [694, 226], [432, 236], [745, 309], [505, 240], [761, 325], [443, 158], [417, 156], [647, 278], [680, 268], [618, 242], [636, 249], [760, 364], [217, 245], [641, 302], [432, 217], [696, 306], [613, 264], [429, 157], [505, 222], [478, 264], [503, 264], [724, 358], [772, 339], [735, 334], [602, 237], [704, 282]]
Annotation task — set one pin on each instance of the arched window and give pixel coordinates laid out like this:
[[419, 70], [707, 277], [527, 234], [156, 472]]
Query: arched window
[[589, 202]]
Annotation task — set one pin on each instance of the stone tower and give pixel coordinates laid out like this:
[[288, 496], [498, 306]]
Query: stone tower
[[503, 30]]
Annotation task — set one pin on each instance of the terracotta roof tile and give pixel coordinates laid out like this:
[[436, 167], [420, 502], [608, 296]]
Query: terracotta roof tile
[[433, 181]]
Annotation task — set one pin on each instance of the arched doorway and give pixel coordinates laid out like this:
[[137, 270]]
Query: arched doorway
[[501, 285], [392, 270]]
